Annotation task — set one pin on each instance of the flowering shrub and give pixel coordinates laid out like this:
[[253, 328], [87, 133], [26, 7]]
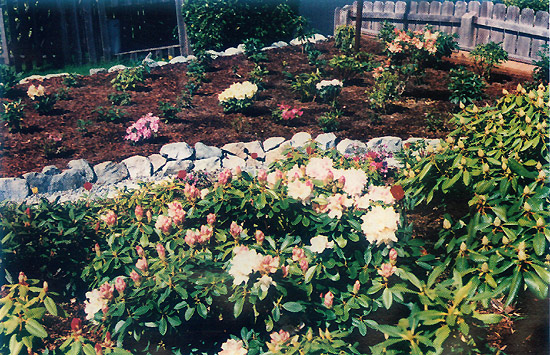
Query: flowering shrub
[[43, 101], [238, 96], [13, 114], [329, 90], [144, 129], [285, 113]]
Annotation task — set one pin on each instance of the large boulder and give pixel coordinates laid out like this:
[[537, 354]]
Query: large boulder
[[110, 172], [177, 151], [13, 189]]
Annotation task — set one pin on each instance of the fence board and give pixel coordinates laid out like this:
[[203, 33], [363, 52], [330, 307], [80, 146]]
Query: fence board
[[3, 40], [423, 12], [486, 11], [435, 10], [460, 9], [510, 37], [499, 14], [379, 8], [527, 19], [541, 21], [447, 10], [413, 10]]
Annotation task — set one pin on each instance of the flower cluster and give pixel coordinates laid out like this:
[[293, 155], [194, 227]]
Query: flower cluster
[[33, 92], [246, 261], [143, 129], [233, 347], [238, 96], [323, 84], [416, 40], [380, 225], [98, 299], [329, 90], [286, 113]]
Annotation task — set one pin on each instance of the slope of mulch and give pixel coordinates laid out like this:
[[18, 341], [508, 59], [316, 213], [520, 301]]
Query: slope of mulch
[[24, 151]]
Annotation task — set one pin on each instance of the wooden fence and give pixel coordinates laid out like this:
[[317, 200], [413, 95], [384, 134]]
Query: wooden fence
[[522, 32], [61, 32]]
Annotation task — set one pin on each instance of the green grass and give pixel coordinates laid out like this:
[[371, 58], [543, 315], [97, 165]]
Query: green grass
[[83, 69]]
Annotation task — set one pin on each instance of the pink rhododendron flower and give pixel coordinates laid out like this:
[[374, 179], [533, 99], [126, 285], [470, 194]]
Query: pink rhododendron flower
[[285, 270], [262, 176], [139, 251], [225, 177], [211, 218], [191, 237], [356, 286], [142, 265], [109, 218], [393, 254], [135, 276], [274, 177], [298, 254], [106, 291], [205, 234], [300, 190], [233, 347], [143, 129], [191, 192], [268, 265], [176, 212], [164, 224], [386, 270], [295, 173], [235, 230], [337, 204], [304, 265], [277, 339], [243, 264], [161, 251], [120, 284], [260, 236], [138, 211], [319, 168], [328, 299], [354, 180]]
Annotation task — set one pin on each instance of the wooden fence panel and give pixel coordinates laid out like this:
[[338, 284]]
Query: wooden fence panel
[[400, 8], [413, 10], [483, 33], [542, 20], [447, 10], [526, 18], [435, 10], [510, 38], [460, 10], [499, 14], [423, 11], [378, 8]]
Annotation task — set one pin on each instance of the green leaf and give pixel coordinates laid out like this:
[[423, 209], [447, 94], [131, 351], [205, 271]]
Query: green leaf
[[539, 242], [15, 345], [163, 326], [293, 307], [202, 311], [50, 306], [543, 273], [309, 273], [424, 171], [238, 307], [517, 280], [488, 318], [189, 313], [450, 182], [35, 328], [466, 177], [387, 298]]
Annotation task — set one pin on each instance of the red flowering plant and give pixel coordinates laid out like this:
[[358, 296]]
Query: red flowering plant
[[285, 113]]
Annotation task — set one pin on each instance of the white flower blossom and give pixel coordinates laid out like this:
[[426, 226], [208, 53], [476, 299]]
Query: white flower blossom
[[319, 168], [95, 304], [380, 225], [320, 243]]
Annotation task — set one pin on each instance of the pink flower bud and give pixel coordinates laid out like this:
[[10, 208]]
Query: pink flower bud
[[328, 299], [139, 251], [108, 342], [164, 224], [262, 176], [139, 212], [97, 250], [28, 212], [120, 284], [393, 255], [45, 287], [224, 177], [76, 325], [161, 251], [259, 236], [285, 270], [98, 349], [22, 278], [149, 216], [109, 218], [356, 286], [211, 218], [176, 212], [135, 276], [298, 254], [235, 230], [106, 291], [386, 270], [304, 264], [205, 234], [190, 237], [238, 171], [329, 177], [141, 264], [341, 181], [182, 174]]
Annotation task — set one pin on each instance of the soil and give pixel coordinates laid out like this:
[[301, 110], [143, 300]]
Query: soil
[[23, 151]]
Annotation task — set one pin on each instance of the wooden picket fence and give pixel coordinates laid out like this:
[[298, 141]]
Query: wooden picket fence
[[62, 32], [522, 33]]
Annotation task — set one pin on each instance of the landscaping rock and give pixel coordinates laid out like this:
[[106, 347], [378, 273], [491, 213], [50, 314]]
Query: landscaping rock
[[162, 63], [349, 146], [300, 139], [272, 143], [177, 151], [314, 39], [172, 168], [326, 140], [233, 51], [139, 167], [279, 44], [39, 180], [117, 67], [277, 153], [388, 144], [50, 170], [110, 172], [84, 166], [157, 162], [213, 54], [70, 179], [203, 151], [232, 161], [254, 150], [13, 189], [97, 70], [149, 61], [254, 164], [179, 59], [235, 149], [209, 164]]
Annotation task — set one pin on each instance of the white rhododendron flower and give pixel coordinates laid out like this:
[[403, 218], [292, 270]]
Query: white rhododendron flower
[[264, 282], [243, 264], [34, 91], [356, 179], [300, 190], [295, 173], [337, 204], [324, 83], [233, 347], [239, 91], [95, 304], [320, 243], [319, 168], [380, 193], [380, 225]]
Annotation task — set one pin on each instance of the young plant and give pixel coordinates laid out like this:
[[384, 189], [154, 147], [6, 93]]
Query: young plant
[[64, 93], [120, 99], [13, 114], [238, 97], [8, 79], [487, 57], [257, 75], [43, 101], [72, 80], [144, 129], [387, 33], [53, 145], [347, 67], [465, 86], [329, 90], [344, 38], [253, 50], [129, 78], [112, 114], [168, 110], [541, 72], [304, 84], [82, 126], [313, 54], [285, 113], [387, 89], [330, 121]]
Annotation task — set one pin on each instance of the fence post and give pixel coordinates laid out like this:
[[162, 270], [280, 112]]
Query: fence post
[[104, 31], [3, 40], [466, 31], [182, 29], [406, 15], [89, 29], [358, 25]]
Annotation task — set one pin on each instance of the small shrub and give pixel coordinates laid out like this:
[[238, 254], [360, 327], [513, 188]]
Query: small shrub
[[329, 90], [387, 33], [347, 67], [168, 110], [72, 80], [257, 75], [13, 115], [111, 114], [330, 121], [238, 97], [313, 54], [185, 99], [436, 120], [253, 50], [82, 126], [129, 78], [536, 5], [465, 86], [8, 79], [304, 85], [120, 99], [387, 89], [64, 93], [542, 66], [285, 113], [487, 57], [344, 38], [53, 145], [144, 129], [44, 102]]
